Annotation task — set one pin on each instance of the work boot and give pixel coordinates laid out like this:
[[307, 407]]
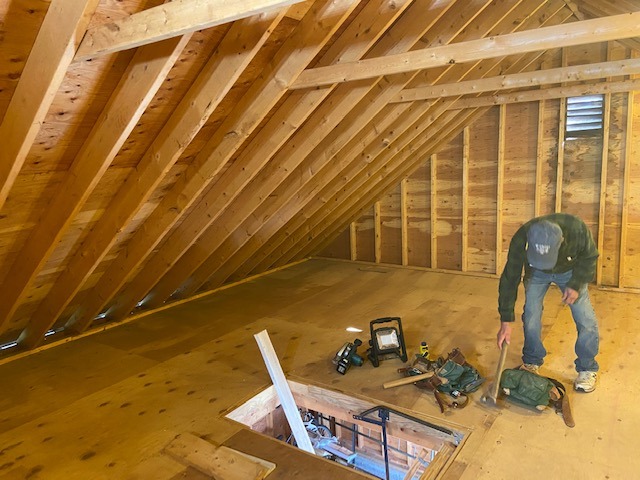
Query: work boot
[[530, 367], [586, 381]]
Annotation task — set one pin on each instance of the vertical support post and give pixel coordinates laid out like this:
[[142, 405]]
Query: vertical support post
[[500, 186], [465, 198], [284, 392], [604, 166], [561, 137], [404, 221], [434, 212], [353, 241], [378, 231], [539, 159], [625, 189]]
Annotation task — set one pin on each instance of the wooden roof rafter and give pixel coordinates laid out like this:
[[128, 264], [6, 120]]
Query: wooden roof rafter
[[299, 188], [213, 83], [315, 29], [304, 226], [141, 81], [315, 132], [64, 25], [605, 8]]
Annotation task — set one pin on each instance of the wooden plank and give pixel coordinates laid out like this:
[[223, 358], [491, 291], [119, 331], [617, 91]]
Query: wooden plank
[[217, 461], [577, 33], [284, 392], [465, 199], [539, 159], [63, 27], [170, 19], [549, 93], [404, 218], [376, 232], [433, 163], [561, 135], [420, 459], [593, 71], [131, 97], [500, 186], [626, 194], [353, 240], [214, 82]]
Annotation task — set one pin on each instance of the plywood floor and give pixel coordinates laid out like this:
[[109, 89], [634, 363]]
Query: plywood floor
[[104, 406]]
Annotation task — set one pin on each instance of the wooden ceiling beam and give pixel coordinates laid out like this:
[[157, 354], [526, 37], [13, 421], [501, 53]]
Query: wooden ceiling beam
[[314, 30], [557, 92], [387, 141], [577, 33], [322, 124], [601, 8], [213, 83], [312, 137], [170, 19], [64, 25], [138, 85], [579, 73]]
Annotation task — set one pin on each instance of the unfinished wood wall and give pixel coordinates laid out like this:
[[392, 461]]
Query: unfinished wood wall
[[458, 210]]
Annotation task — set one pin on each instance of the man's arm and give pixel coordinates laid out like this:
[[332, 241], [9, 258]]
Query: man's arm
[[511, 276]]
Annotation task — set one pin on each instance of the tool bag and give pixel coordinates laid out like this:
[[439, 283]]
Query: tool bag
[[454, 378], [533, 390]]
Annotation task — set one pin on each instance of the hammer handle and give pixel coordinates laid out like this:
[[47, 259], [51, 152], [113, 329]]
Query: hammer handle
[[407, 380], [496, 384]]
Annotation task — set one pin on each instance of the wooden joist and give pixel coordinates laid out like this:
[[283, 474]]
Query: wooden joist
[[171, 19], [577, 33]]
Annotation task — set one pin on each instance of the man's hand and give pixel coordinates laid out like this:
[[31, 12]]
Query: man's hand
[[569, 296], [504, 334]]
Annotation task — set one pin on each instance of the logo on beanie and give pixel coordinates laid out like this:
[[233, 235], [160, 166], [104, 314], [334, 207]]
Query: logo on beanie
[[542, 249]]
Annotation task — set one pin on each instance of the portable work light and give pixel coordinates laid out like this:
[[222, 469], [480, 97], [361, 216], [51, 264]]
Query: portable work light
[[386, 339]]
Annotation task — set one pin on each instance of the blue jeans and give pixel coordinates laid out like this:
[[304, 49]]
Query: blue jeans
[[587, 343]]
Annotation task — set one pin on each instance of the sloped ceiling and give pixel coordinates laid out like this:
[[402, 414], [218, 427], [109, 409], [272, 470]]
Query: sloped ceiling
[[148, 152]]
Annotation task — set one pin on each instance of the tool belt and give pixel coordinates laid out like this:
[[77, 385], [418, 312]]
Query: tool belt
[[454, 378]]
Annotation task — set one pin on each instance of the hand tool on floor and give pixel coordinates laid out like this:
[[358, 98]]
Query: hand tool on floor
[[492, 397], [407, 380]]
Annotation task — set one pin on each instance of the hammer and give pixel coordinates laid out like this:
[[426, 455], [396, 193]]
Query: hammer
[[492, 397]]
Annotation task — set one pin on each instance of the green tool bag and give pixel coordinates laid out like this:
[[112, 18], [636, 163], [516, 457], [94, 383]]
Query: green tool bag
[[453, 376], [533, 390]]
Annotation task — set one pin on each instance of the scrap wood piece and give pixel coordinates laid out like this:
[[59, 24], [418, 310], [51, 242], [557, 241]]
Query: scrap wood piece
[[220, 462], [284, 392]]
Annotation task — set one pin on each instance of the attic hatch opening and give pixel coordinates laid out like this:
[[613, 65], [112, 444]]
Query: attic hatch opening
[[347, 431], [585, 116]]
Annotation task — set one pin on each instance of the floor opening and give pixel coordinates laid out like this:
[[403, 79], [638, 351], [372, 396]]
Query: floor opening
[[374, 439]]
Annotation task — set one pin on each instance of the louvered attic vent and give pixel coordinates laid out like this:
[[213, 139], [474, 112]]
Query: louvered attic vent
[[584, 117]]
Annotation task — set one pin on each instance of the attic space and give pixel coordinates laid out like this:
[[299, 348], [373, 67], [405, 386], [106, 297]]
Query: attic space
[[179, 177]]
